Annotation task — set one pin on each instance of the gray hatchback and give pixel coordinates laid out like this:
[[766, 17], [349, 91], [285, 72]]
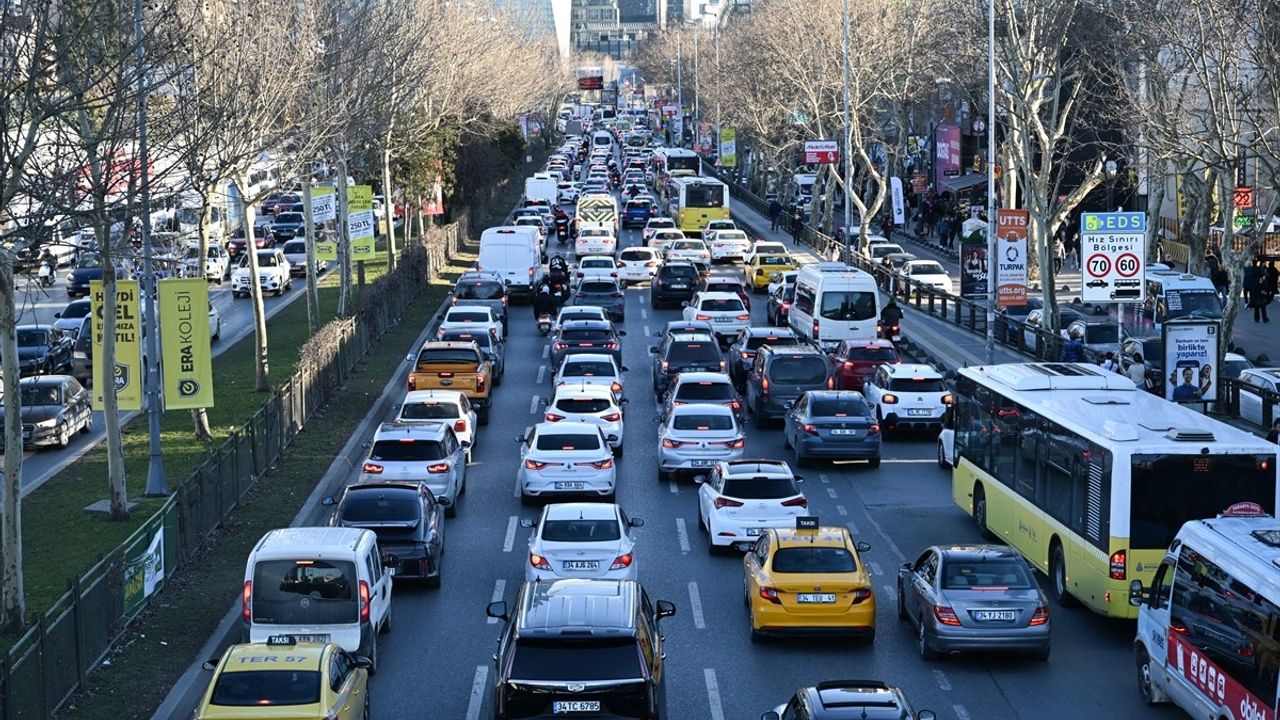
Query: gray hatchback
[[780, 374]]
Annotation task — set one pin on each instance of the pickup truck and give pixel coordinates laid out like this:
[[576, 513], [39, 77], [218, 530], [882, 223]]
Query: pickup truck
[[457, 366]]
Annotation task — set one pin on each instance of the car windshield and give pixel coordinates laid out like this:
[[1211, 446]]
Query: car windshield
[[446, 356], [379, 505], [305, 591], [705, 390], [702, 422], [927, 268], [721, 305], [295, 247], [1101, 334], [845, 407], [664, 223], [407, 450], [880, 250], [289, 218], [430, 411], [467, 316], [581, 530], [685, 353], [89, 261], [848, 305], [583, 405], [577, 660], [759, 488], [687, 245], [599, 288], [920, 385], [635, 255], [989, 574], [813, 560], [596, 264], [585, 335], [33, 395], [755, 342], [76, 309], [267, 260], [260, 688], [1193, 303], [872, 354], [587, 368], [32, 338], [567, 441], [798, 370], [479, 290]]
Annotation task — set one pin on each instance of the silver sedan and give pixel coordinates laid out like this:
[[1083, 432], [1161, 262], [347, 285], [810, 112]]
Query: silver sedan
[[696, 437]]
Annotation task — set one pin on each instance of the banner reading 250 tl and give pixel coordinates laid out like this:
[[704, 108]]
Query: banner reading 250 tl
[[324, 216], [128, 374], [360, 221], [184, 343]]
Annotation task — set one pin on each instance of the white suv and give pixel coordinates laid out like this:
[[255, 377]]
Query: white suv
[[741, 498], [725, 311], [908, 396], [273, 274]]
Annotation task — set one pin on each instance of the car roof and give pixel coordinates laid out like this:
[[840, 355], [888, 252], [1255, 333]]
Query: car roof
[[581, 511], [702, 377], [757, 466], [692, 337], [825, 536], [834, 395], [566, 427], [421, 396], [701, 409], [43, 380], [914, 370], [578, 607], [850, 699], [868, 343], [588, 357], [770, 331], [714, 295], [247, 657], [410, 431], [976, 551], [586, 324], [800, 349], [579, 388], [410, 486], [41, 326]]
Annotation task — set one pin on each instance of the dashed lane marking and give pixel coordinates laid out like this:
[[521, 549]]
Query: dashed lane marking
[[533, 404], [510, 541], [840, 509], [909, 460], [831, 492], [675, 489], [546, 351], [478, 691], [888, 540], [823, 478], [499, 587], [713, 694], [875, 567], [542, 373], [961, 713], [941, 678], [695, 604], [682, 535]]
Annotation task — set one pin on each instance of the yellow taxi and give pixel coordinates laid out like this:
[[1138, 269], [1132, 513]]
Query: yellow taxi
[[282, 679], [808, 580], [763, 266]]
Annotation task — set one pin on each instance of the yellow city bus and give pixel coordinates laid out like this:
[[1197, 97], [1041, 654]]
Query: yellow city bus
[[674, 162], [1091, 478], [695, 201]]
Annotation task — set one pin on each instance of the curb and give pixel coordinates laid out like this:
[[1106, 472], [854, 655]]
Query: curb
[[186, 692]]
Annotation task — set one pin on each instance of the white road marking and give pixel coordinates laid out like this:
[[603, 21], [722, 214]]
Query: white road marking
[[499, 587], [695, 604], [713, 694], [644, 314], [542, 373], [961, 713], [510, 541], [875, 567], [682, 535], [546, 351], [888, 540], [823, 478], [840, 509], [533, 404], [941, 678], [831, 492], [889, 591], [675, 489], [646, 331], [478, 691], [853, 528]]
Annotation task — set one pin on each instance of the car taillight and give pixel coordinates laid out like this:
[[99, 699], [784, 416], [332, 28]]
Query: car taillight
[[246, 601], [1118, 571], [701, 316], [561, 346], [770, 594], [764, 386], [671, 444], [534, 465], [413, 383], [815, 329], [801, 501], [744, 317], [616, 387], [848, 364], [874, 429], [371, 468], [735, 444], [552, 417], [786, 305], [651, 263], [620, 562], [831, 383], [438, 468], [1040, 616], [744, 355], [611, 346], [617, 294], [665, 365], [459, 426], [724, 502], [945, 615], [364, 601], [889, 399], [601, 465], [809, 429], [861, 595], [612, 417], [735, 404], [539, 562]]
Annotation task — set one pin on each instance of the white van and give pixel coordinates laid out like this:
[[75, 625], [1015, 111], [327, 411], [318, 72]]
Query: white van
[[834, 302], [801, 193], [1171, 295], [318, 584], [514, 253], [1209, 623], [602, 139]]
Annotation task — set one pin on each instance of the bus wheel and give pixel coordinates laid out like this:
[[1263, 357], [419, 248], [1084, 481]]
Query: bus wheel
[[980, 511], [1058, 576]]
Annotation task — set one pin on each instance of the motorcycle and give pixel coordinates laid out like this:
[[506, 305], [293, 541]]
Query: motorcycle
[[544, 323], [46, 274], [892, 333], [562, 231]]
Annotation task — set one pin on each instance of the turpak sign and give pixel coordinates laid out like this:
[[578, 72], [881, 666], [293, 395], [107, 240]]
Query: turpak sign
[[360, 221], [324, 212], [1011, 257], [184, 343], [126, 377], [1190, 351]]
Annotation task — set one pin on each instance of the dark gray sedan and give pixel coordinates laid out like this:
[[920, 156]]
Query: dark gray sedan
[[832, 425], [963, 598], [586, 336], [408, 520], [602, 293], [54, 407], [43, 350]]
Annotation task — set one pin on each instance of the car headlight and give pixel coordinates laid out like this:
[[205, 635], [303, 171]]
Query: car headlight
[[51, 422]]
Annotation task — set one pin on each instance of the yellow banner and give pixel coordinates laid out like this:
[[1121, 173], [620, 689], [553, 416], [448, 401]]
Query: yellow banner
[[323, 216], [360, 221], [184, 343], [128, 376]]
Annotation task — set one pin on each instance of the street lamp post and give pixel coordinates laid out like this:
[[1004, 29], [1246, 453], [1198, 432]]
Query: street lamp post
[[848, 154], [992, 260], [1110, 169]]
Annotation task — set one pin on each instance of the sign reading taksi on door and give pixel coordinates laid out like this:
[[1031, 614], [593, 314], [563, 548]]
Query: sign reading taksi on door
[[1113, 255]]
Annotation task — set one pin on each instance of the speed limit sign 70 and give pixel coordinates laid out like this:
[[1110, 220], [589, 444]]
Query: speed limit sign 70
[[1113, 245]]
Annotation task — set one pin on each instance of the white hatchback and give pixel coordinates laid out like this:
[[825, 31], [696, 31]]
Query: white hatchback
[[564, 459], [662, 238], [591, 266], [654, 225], [471, 317], [589, 403], [582, 540], [595, 240], [638, 264], [729, 245], [907, 396], [590, 369], [929, 272], [725, 311], [694, 250], [446, 406], [766, 247], [740, 499]]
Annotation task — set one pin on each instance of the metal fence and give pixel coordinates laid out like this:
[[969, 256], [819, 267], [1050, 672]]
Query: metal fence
[[51, 661]]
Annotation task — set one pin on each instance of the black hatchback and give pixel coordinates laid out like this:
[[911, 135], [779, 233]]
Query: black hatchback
[[674, 283], [407, 518], [684, 352]]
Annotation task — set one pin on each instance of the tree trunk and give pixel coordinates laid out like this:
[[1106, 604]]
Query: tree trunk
[[117, 492], [344, 242], [200, 416], [388, 205], [313, 308], [13, 606], [263, 380]]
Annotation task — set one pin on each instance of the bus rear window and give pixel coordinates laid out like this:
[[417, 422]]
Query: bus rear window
[[1169, 490]]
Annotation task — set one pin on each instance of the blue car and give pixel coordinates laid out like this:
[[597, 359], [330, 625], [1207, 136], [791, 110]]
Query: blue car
[[637, 212], [832, 425]]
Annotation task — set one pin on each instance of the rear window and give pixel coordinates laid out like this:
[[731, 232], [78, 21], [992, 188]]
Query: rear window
[[774, 260], [852, 407], [581, 530], [587, 369], [813, 560], [407, 451], [725, 287], [693, 352], [380, 506], [871, 354], [467, 316], [702, 422], [582, 405], [679, 272], [568, 441], [714, 305], [255, 688], [705, 391], [985, 575], [480, 290], [482, 339], [927, 268], [848, 305], [754, 343], [632, 255], [759, 488], [279, 586], [581, 336], [430, 411], [798, 370], [598, 287], [561, 659], [446, 356], [923, 385]]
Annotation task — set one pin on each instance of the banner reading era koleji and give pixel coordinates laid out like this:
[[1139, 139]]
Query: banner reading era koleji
[[185, 343]]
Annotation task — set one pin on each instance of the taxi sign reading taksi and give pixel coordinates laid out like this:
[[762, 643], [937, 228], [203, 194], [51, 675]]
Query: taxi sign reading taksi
[[1113, 251]]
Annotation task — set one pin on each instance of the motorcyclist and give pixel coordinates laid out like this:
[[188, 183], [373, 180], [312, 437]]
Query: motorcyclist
[[891, 315], [543, 304], [633, 190], [558, 270]]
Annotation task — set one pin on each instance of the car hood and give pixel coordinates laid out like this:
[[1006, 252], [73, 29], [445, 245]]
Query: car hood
[[37, 413]]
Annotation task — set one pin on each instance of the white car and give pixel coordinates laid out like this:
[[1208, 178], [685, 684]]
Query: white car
[[655, 224], [535, 222], [713, 228], [567, 192], [929, 272], [729, 245], [589, 403], [216, 265], [907, 396], [590, 369], [580, 312], [662, 238], [766, 247], [725, 311], [694, 250], [638, 264], [595, 266], [295, 251], [879, 251], [696, 437], [872, 241], [781, 278], [471, 317], [273, 274], [565, 458], [740, 499], [582, 540], [1253, 381], [595, 240], [440, 406]]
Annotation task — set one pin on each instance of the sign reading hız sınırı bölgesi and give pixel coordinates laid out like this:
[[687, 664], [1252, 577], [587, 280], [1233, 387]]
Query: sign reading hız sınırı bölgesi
[[1190, 354], [127, 375], [184, 343], [1011, 257], [1113, 257]]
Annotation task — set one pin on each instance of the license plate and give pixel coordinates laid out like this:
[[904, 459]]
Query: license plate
[[703, 463], [844, 432], [1004, 615], [392, 571], [581, 564], [724, 320], [678, 286], [561, 707], [816, 597], [754, 532], [569, 486], [919, 412], [320, 638]]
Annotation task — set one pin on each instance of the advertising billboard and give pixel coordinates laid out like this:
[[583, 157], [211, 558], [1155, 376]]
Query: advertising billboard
[[1011, 257]]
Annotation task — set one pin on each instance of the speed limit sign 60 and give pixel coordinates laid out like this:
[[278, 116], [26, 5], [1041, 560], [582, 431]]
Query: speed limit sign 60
[[1113, 245]]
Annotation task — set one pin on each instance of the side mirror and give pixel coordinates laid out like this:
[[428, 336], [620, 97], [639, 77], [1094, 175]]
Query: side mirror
[[466, 444], [862, 547], [636, 522], [788, 404], [366, 444], [57, 314], [497, 609], [1137, 593], [799, 478], [210, 664], [528, 523], [626, 369], [684, 304], [699, 479], [363, 662], [543, 401], [444, 502], [926, 715], [520, 438], [624, 401], [622, 333], [666, 609], [329, 501]]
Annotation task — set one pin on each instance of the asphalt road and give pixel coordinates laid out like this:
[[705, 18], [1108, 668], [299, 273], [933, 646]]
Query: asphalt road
[[436, 662]]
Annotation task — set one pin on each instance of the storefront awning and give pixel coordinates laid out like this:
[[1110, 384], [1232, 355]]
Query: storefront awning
[[964, 182]]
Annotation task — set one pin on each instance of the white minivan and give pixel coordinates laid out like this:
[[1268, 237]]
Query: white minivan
[[834, 302], [318, 584], [602, 139], [514, 253]]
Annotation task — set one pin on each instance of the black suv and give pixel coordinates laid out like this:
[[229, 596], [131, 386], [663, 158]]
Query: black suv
[[673, 283], [780, 374], [847, 700], [549, 665], [684, 352]]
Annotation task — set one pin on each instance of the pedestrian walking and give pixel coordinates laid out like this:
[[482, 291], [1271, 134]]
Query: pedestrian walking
[[886, 226], [1137, 372], [775, 211], [1273, 280], [1259, 298], [1059, 255], [797, 223], [1251, 274]]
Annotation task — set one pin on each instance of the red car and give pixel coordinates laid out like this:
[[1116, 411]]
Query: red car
[[857, 360], [261, 239]]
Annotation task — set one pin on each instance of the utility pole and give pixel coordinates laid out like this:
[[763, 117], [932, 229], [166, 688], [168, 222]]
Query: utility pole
[[992, 260], [156, 486], [344, 239], [848, 155]]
